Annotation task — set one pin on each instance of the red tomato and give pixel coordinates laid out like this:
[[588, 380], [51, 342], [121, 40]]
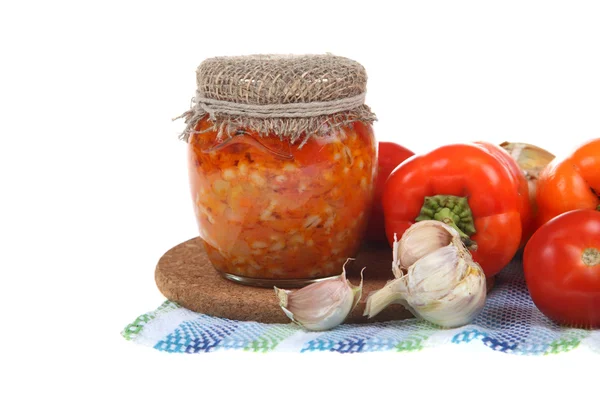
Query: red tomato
[[562, 268], [390, 156]]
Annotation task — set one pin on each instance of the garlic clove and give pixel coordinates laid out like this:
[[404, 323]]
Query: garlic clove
[[460, 306], [429, 278], [321, 305], [421, 239]]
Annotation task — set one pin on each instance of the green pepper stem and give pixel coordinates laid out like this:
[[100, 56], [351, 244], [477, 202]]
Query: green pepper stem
[[453, 211]]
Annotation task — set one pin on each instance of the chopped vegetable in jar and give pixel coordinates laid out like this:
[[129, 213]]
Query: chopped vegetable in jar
[[268, 208]]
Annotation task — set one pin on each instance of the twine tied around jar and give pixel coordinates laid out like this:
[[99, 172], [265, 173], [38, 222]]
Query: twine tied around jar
[[291, 96]]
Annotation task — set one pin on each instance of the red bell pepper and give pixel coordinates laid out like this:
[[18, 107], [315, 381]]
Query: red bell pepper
[[469, 186]]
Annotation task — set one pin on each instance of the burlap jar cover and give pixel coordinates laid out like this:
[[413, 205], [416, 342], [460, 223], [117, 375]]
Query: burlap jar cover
[[291, 96]]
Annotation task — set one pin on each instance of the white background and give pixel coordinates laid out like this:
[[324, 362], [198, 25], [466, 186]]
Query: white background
[[94, 181]]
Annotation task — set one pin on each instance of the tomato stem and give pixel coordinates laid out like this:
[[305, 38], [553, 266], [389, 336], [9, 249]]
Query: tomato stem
[[453, 211], [591, 257]]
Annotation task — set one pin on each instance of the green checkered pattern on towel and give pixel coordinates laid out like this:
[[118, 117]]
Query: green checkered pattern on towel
[[509, 323]]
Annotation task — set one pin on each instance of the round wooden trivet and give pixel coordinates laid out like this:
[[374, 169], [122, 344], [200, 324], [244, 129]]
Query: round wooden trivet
[[185, 275]]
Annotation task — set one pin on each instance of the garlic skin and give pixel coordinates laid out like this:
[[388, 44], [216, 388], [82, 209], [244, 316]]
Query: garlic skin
[[321, 305], [436, 277], [532, 160]]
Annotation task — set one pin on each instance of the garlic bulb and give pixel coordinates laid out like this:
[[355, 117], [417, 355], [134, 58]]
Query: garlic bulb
[[321, 305], [436, 277]]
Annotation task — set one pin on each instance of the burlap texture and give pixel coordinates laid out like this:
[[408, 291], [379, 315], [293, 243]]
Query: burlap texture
[[287, 95]]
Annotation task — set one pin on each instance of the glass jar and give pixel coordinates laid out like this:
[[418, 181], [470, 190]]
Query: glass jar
[[276, 213]]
